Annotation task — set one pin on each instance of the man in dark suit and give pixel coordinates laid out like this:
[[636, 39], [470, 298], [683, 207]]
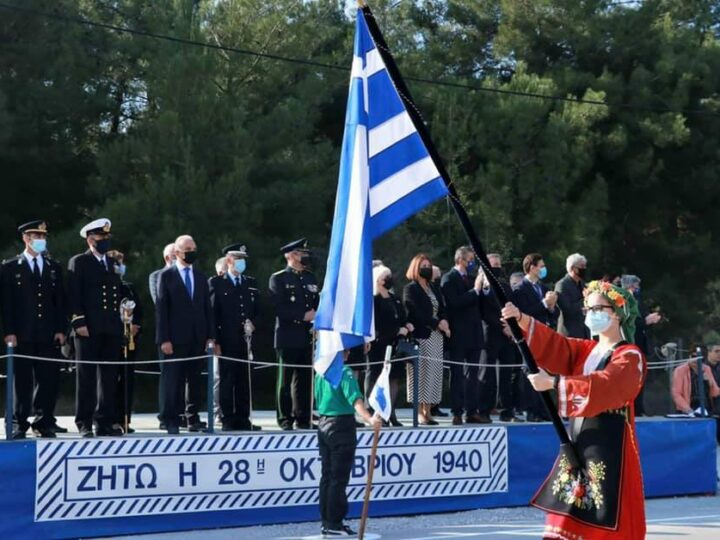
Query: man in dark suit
[[95, 291], [294, 295], [501, 350], [536, 300], [234, 297], [34, 319], [462, 290], [570, 298], [184, 328]]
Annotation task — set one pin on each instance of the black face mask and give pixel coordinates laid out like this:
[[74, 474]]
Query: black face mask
[[306, 260], [102, 246], [190, 257], [425, 273], [581, 272], [388, 283]]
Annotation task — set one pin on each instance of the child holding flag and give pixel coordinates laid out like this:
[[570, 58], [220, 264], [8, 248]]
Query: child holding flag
[[337, 439]]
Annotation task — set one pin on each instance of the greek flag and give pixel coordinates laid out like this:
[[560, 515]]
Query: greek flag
[[386, 175], [379, 398]]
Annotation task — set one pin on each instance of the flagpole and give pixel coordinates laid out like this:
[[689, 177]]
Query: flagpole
[[460, 211], [371, 465]]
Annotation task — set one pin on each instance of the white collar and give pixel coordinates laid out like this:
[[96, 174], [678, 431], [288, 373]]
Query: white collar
[[182, 268]]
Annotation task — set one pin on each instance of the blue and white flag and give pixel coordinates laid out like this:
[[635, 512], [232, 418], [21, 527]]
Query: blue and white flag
[[386, 175], [379, 398]]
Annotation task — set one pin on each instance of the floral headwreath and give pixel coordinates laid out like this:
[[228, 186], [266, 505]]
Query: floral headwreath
[[623, 303]]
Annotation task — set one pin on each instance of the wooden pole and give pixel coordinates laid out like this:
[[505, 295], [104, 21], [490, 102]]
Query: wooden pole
[[368, 486]]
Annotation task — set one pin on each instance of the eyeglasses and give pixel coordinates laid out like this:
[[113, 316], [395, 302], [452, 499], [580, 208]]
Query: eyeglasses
[[598, 308]]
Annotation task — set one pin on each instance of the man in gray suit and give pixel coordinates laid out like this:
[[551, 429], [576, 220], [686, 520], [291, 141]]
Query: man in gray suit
[[169, 258], [570, 298]]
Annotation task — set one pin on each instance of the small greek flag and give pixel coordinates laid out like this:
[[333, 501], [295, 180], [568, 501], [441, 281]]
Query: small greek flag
[[386, 175], [379, 398]]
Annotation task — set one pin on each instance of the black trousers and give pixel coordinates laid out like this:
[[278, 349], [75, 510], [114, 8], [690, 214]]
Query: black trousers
[[234, 388], [96, 384], [464, 382], [126, 375], [177, 376], [500, 351], [337, 439], [36, 386], [293, 386]]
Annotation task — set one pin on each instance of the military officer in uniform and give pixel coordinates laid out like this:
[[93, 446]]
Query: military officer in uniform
[[95, 292], [234, 297], [34, 318], [126, 374], [294, 295]]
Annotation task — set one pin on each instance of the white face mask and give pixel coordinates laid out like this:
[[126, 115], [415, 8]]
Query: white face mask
[[597, 322]]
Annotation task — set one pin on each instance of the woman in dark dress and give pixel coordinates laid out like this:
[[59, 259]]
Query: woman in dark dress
[[390, 325]]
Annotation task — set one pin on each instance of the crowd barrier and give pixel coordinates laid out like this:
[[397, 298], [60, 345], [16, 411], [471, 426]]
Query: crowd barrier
[[69, 488]]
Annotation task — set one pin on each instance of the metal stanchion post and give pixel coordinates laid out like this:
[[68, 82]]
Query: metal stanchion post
[[210, 388], [416, 383], [9, 392], [701, 381]]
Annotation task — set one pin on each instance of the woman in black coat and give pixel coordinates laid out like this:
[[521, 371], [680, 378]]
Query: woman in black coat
[[391, 325], [426, 312]]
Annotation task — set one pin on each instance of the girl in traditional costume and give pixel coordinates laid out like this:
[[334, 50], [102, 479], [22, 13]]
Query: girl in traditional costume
[[596, 384]]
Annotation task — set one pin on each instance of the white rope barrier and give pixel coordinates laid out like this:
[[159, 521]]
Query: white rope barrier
[[261, 365]]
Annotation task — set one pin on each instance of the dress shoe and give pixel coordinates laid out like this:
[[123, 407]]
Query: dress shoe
[[360, 424], [18, 435], [111, 431], [303, 425], [162, 426], [457, 421], [286, 426], [229, 427], [86, 433], [394, 422], [59, 429], [130, 430], [480, 418], [510, 417], [532, 417], [44, 433], [173, 429], [429, 422], [197, 427]]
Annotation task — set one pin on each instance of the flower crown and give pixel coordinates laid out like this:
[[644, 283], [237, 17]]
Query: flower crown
[[608, 290]]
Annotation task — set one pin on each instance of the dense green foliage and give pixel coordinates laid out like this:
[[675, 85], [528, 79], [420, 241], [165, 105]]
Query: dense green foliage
[[166, 138]]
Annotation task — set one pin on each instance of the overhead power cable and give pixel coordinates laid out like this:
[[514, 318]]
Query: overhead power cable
[[57, 16]]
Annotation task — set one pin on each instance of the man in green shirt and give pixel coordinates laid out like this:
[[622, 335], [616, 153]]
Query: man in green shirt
[[337, 439]]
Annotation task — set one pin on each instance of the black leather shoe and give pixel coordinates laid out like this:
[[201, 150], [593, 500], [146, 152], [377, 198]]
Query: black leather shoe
[[86, 433], [457, 421], [111, 431], [130, 430], [285, 426], [59, 429], [303, 425], [197, 427], [248, 427], [505, 417], [173, 430], [44, 433], [18, 435], [162, 426]]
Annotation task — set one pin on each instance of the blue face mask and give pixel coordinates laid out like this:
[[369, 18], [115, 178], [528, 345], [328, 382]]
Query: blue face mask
[[472, 265], [597, 322], [543, 272], [120, 269], [239, 266], [38, 245]]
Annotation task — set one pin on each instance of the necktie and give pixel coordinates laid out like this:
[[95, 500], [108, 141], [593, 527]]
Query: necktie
[[188, 283], [236, 281], [36, 268], [538, 290]]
